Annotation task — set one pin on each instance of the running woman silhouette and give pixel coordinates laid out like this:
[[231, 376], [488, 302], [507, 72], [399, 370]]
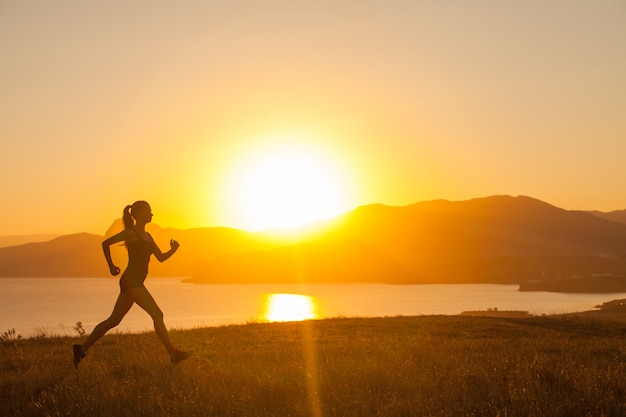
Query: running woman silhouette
[[140, 247]]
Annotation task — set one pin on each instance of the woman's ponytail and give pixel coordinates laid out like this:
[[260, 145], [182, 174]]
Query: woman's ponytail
[[127, 218]]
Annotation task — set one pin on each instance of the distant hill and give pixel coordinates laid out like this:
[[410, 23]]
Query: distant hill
[[618, 216], [80, 255], [77, 255], [14, 240], [498, 239]]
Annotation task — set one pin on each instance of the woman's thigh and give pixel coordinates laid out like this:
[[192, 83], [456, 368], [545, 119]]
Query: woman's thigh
[[123, 303], [143, 298]]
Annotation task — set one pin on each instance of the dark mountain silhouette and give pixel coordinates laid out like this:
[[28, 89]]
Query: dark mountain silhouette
[[498, 239], [14, 240], [618, 216], [80, 255], [76, 255]]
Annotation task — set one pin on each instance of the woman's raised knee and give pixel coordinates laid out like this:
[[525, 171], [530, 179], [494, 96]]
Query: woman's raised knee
[[113, 321]]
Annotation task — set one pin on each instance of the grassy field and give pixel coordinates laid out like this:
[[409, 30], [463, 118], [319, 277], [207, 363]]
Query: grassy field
[[401, 366]]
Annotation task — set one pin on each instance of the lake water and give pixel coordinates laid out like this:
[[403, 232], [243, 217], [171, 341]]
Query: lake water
[[53, 305]]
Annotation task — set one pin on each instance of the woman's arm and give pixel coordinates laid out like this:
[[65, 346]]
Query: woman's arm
[[162, 257], [121, 236]]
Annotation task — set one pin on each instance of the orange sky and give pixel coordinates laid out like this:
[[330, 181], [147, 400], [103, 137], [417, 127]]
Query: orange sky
[[104, 103]]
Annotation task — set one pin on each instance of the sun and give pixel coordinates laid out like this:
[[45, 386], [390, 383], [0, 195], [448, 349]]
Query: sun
[[285, 187]]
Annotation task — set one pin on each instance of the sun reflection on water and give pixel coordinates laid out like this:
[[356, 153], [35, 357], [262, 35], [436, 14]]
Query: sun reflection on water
[[289, 307]]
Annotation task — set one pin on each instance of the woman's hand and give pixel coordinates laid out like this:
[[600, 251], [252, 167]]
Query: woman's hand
[[114, 270], [174, 245]]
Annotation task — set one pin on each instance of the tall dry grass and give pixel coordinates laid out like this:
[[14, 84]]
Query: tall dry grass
[[402, 366]]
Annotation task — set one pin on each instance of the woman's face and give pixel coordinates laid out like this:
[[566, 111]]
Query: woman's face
[[143, 214]]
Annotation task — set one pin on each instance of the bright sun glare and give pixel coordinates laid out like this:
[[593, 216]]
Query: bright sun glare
[[285, 187], [289, 307]]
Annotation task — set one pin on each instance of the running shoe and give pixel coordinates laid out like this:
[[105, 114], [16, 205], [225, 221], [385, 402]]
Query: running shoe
[[181, 355]]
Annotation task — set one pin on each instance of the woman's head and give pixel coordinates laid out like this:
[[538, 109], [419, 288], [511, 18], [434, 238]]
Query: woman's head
[[139, 211]]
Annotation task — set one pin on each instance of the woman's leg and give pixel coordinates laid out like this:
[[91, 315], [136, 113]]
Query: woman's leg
[[122, 305], [144, 300]]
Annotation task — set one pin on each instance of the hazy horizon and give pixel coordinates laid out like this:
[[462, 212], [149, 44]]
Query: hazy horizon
[[256, 115]]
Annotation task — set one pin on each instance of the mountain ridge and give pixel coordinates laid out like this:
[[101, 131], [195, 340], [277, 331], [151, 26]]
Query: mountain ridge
[[497, 239]]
